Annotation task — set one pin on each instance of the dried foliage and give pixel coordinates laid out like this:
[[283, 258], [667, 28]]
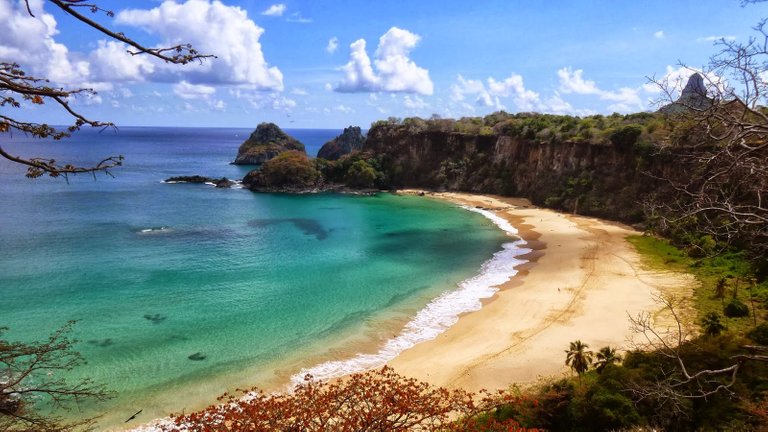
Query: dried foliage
[[680, 383], [721, 189], [16, 87], [379, 400], [31, 374]]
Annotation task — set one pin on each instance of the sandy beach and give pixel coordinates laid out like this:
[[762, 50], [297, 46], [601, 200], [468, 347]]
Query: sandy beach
[[582, 280]]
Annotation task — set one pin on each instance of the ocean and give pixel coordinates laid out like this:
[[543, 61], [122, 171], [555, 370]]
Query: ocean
[[184, 291]]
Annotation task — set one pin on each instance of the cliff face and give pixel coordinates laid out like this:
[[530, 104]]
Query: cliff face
[[266, 142], [351, 139], [601, 180]]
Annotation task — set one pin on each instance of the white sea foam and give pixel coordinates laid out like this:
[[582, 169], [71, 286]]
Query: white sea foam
[[441, 313], [150, 230]]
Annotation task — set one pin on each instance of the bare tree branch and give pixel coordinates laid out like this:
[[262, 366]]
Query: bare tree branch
[[17, 87]]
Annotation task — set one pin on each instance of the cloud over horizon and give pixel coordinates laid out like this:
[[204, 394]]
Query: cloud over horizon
[[395, 71]]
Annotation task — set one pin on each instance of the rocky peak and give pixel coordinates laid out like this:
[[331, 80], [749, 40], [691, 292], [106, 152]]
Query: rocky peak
[[266, 142], [693, 97], [695, 86], [350, 139]]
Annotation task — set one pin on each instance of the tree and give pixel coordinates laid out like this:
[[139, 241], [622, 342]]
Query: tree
[[682, 384], [720, 188], [606, 356], [711, 324], [378, 400], [578, 357], [30, 375], [16, 87]]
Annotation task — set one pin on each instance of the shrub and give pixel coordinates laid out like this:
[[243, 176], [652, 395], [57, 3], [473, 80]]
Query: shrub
[[625, 137], [289, 168], [736, 308], [361, 175], [759, 334]]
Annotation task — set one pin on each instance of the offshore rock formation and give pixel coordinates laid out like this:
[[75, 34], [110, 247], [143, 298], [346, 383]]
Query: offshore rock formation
[[266, 142], [349, 140], [218, 182]]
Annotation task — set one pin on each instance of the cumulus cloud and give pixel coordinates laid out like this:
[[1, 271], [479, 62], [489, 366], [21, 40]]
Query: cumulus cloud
[[333, 44], [659, 34], [212, 28], [490, 93], [626, 98], [111, 61], [275, 10], [395, 71], [30, 41]]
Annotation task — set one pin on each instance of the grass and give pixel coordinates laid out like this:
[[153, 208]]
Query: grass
[[731, 267]]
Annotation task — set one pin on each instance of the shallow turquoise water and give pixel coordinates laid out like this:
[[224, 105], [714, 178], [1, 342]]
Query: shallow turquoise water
[[253, 286]]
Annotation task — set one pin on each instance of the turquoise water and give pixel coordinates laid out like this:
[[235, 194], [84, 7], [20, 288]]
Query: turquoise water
[[182, 292]]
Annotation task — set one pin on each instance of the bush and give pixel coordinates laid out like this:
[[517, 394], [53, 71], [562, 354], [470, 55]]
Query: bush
[[759, 334], [289, 168], [361, 175], [625, 137], [736, 308]]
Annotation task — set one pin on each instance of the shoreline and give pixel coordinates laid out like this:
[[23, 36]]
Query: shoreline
[[581, 281], [519, 333]]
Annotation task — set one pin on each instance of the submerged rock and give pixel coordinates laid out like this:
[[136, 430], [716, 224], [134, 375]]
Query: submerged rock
[[266, 142], [351, 139], [198, 356]]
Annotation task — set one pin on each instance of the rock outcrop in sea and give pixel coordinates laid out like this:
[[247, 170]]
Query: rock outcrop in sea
[[351, 139], [218, 182], [266, 142]]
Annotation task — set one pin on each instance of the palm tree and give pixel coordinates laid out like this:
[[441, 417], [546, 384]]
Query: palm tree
[[711, 324], [606, 356], [579, 358]]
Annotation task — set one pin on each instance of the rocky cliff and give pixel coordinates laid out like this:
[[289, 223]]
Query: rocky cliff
[[608, 180], [351, 139], [266, 142]]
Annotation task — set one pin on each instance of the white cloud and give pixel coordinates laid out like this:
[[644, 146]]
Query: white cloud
[[299, 92], [659, 34], [264, 100], [111, 62], [297, 18], [189, 91], [333, 44], [627, 99], [343, 109], [490, 95], [715, 38], [414, 103], [29, 40], [212, 28], [275, 10], [395, 71]]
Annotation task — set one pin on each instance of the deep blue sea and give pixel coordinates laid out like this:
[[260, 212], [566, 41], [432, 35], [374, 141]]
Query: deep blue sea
[[184, 291]]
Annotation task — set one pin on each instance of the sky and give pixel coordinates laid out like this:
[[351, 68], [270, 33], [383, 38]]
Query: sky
[[331, 64]]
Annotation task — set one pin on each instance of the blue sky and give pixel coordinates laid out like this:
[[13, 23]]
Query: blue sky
[[329, 64]]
